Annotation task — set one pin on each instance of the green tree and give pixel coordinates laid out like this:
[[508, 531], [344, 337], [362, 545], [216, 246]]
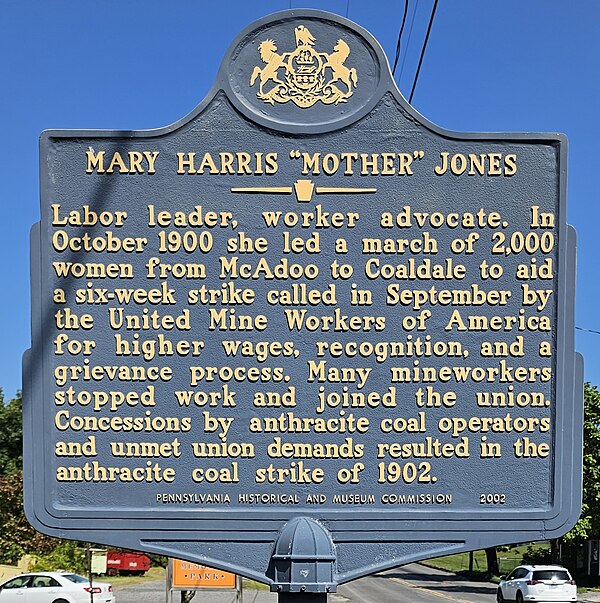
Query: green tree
[[588, 524], [17, 537], [11, 434], [67, 555]]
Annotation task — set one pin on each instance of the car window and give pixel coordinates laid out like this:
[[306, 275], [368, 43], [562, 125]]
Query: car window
[[521, 572], [44, 582], [551, 575], [18, 582], [76, 578], [512, 574]]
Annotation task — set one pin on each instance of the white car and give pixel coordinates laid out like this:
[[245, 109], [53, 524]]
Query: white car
[[540, 583], [55, 587]]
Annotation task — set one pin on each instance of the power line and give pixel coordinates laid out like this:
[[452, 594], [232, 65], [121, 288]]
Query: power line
[[588, 330], [400, 36], [412, 22], [412, 92]]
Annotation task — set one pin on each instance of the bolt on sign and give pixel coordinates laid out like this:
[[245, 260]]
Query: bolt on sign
[[303, 309]]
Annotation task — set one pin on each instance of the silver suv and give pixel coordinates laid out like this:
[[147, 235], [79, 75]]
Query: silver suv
[[540, 583]]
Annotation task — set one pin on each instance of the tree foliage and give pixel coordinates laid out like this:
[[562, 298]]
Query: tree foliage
[[537, 555], [588, 524], [11, 434], [17, 537], [67, 555]]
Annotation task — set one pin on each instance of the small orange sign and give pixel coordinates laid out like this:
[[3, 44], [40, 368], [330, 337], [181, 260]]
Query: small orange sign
[[192, 576]]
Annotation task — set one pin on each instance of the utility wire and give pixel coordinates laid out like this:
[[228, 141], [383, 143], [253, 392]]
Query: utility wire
[[412, 92], [412, 22], [588, 330], [398, 44]]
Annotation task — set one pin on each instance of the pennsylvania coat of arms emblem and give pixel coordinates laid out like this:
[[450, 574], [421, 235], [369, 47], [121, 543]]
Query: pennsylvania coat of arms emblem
[[304, 76]]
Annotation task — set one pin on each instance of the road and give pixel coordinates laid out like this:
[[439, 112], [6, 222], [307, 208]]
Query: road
[[414, 584], [409, 584]]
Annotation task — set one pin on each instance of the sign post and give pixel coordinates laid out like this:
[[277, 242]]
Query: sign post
[[303, 334]]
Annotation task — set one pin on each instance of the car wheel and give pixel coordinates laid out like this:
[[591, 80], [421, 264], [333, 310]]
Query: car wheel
[[499, 596], [60, 601], [519, 598]]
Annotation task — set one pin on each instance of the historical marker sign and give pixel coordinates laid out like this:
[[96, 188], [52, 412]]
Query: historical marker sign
[[303, 301]]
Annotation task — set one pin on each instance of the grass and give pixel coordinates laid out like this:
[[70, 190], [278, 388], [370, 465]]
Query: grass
[[154, 573], [254, 585], [459, 563]]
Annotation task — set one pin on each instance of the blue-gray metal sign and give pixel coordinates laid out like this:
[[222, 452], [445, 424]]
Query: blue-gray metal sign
[[303, 316]]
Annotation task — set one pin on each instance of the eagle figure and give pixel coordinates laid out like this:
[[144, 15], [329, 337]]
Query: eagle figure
[[303, 36]]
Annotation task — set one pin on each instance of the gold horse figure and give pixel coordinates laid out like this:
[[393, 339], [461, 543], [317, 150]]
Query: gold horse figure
[[347, 76], [273, 61]]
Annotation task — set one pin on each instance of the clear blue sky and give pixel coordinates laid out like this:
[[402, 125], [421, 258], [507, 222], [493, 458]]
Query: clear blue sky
[[515, 65]]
